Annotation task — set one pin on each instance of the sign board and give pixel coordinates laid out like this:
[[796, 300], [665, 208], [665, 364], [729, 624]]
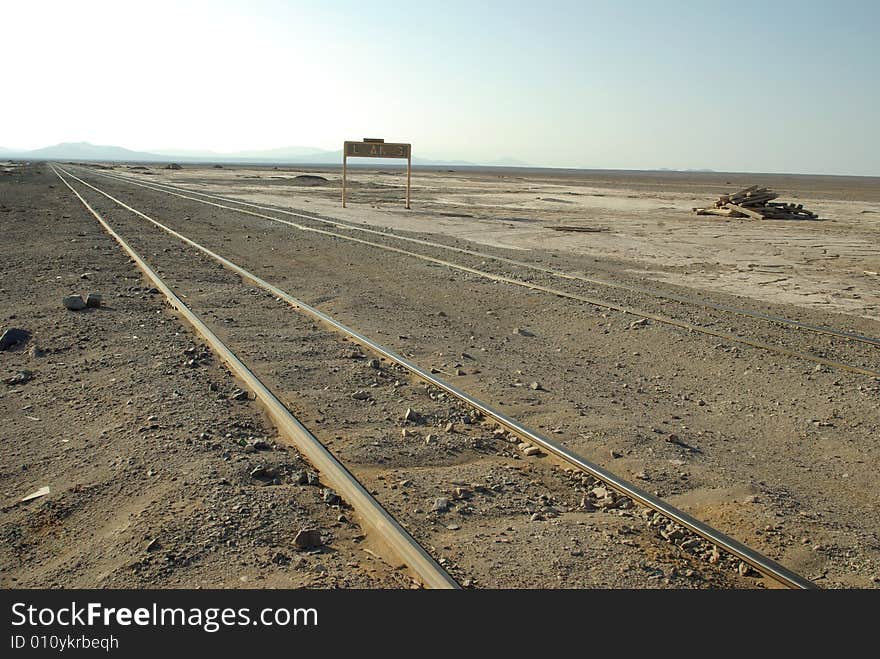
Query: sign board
[[376, 148]]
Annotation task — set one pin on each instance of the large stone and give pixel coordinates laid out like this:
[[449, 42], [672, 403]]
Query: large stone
[[74, 303], [307, 538], [12, 336]]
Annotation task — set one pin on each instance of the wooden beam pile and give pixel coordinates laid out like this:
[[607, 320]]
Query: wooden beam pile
[[758, 204]]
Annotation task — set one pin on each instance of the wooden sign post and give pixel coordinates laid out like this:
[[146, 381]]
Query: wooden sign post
[[376, 148]]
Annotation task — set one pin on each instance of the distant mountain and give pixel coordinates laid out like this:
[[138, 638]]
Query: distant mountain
[[669, 169], [275, 154], [86, 151], [506, 162], [283, 155]]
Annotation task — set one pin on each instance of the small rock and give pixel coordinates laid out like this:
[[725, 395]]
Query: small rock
[[307, 538], [522, 332], [12, 336], [361, 395], [461, 493], [94, 300], [536, 517], [153, 545], [259, 444], [375, 363], [615, 454], [441, 504], [280, 558], [330, 497], [535, 386], [450, 427], [672, 535], [532, 450], [643, 322], [74, 303], [411, 415], [239, 394], [21, 377], [600, 492]]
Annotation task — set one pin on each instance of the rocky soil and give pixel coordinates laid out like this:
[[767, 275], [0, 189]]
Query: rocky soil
[[771, 450]]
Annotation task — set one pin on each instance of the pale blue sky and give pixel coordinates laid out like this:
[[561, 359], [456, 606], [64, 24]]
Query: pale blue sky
[[743, 86]]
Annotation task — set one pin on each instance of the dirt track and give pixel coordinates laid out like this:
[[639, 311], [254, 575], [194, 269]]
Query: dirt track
[[783, 455]]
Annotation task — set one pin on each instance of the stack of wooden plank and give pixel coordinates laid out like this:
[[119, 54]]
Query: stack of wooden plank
[[758, 204]]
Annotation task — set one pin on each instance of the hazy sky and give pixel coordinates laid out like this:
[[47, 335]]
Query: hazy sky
[[741, 86]]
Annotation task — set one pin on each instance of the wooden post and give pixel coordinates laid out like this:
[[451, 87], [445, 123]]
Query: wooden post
[[408, 168], [344, 161]]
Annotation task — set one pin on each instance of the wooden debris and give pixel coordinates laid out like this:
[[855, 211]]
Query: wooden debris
[[578, 229], [757, 203], [43, 491]]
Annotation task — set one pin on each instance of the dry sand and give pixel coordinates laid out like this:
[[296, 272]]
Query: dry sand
[[645, 221]]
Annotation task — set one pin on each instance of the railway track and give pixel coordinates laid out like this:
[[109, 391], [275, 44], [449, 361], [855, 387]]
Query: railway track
[[414, 555], [851, 341]]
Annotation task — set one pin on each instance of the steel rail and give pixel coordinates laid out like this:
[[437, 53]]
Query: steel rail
[[343, 482], [759, 562], [820, 329], [545, 289]]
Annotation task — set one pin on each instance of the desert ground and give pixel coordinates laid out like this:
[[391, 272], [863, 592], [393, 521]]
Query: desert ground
[[162, 472]]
